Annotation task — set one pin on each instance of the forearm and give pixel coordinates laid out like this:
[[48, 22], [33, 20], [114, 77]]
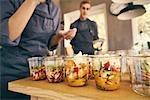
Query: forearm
[[63, 35], [56, 39], [18, 21]]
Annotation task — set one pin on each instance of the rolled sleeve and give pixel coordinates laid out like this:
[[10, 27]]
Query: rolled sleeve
[[8, 8], [71, 26], [57, 26], [50, 46], [5, 41]]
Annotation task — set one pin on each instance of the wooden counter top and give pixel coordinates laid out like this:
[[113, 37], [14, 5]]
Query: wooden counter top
[[61, 91]]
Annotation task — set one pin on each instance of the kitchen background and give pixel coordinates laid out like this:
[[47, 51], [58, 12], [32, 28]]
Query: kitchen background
[[117, 34]]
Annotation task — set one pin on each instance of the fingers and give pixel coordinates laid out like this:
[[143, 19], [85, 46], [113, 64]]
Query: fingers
[[61, 33], [70, 34]]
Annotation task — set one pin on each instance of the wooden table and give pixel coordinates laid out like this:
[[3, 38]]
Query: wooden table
[[43, 90]]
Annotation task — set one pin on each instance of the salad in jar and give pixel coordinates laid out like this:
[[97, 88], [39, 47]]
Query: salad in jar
[[37, 69], [54, 73], [38, 73], [107, 73], [54, 69], [76, 71]]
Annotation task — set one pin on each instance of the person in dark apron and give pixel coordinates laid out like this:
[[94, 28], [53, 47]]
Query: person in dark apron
[[37, 36], [86, 31]]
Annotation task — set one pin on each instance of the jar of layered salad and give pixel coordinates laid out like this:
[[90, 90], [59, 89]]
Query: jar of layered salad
[[106, 70], [76, 70], [54, 69], [37, 68]]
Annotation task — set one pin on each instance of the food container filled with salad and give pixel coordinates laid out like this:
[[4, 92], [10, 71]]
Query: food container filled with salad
[[54, 69], [37, 68], [106, 72], [76, 70], [140, 74]]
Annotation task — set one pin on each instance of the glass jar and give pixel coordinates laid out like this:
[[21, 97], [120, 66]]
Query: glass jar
[[37, 69], [106, 70], [140, 74], [76, 70], [54, 69]]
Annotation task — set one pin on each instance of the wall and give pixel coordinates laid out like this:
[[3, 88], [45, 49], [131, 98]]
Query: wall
[[119, 32]]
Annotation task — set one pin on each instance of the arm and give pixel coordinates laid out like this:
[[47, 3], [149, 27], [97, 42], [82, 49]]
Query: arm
[[95, 31], [63, 35], [20, 18], [60, 35], [57, 38]]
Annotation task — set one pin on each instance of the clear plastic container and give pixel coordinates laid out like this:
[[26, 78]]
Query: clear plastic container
[[54, 69], [106, 72], [140, 74], [37, 69], [76, 70]]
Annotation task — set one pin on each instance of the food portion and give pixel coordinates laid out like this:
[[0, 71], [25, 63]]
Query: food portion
[[146, 72], [54, 73], [90, 73], [38, 72], [37, 68], [54, 69], [76, 72], [107, 75]]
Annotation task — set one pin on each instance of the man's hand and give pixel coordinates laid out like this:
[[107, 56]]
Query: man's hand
[[69, 34], [63, 35]]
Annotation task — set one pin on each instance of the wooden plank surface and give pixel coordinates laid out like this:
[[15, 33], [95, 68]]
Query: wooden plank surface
[[61, 91]]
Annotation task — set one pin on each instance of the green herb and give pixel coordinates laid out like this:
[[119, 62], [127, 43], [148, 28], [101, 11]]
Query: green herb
[[100, 64], [52, 68], [77, 78], [100, 87], [36, 67], [59, 66]]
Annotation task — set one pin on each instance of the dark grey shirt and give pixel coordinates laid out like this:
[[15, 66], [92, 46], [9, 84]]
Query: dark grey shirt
[[34, 41], [86, 33]]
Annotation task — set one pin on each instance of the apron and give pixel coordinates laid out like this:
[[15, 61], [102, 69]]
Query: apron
[[83, 41], [34, 42]]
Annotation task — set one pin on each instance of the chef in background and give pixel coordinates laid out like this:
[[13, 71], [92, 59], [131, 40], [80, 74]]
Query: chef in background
[[86, 31]]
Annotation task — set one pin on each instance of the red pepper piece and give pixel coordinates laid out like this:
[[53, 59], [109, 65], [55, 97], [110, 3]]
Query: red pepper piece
[[107, 65], [76, 70]]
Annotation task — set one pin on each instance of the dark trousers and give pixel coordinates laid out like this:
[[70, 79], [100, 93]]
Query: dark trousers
[[9, 95], [9, 73]]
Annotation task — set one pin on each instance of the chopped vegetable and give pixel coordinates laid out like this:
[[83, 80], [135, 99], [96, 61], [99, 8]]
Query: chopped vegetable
[[76, 75], [38, 73], [108, 77]]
